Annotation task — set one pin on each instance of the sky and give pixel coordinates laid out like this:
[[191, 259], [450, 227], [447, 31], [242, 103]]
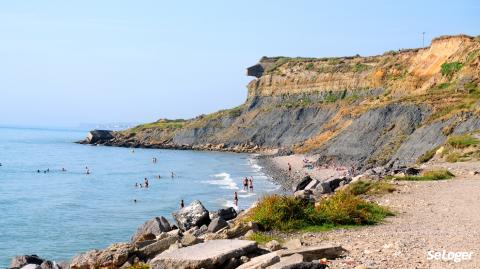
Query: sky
[[63, 63]]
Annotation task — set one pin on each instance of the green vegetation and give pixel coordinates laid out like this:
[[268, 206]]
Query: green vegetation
[[462, 141], [139, 266], [262, 238], [440, 174], [359, 67], [370, 187], [309, 66], [449, 69], [427, 156], [288, 213], [160, 124], [453, 157], [332, 97], [303, 102]]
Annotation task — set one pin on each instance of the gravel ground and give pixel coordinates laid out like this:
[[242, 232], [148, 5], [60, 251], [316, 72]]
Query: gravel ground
[[440, 215], [430, 216]]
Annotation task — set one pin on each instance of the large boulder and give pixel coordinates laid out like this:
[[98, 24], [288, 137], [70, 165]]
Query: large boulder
[[98, 135], [112, 257], [194, 214], [315, 252], [217, 224], [287, 261], [151, 250], [20, 261], [330, 185], [155, 226], [262, 261], [300, 185], [211, 254], [224, 213]]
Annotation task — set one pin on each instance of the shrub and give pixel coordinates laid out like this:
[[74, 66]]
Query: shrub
[[448, 69], [287, 213], [370, 187], [453, 157], [309, 66], [344, 208], [462, 141], [440, 174]]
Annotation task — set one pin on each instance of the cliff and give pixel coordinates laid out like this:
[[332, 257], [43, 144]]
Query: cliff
[[363, 111]]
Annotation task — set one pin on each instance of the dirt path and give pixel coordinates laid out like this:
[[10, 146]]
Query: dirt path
[[441, 215]]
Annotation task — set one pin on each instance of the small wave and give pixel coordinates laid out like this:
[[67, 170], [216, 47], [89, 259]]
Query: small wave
[[249, 194], [224, 180], [230, 204]]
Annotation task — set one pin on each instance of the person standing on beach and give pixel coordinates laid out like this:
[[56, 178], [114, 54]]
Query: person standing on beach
[[235, 198], [251, 184], [289, 167], [181, 204]]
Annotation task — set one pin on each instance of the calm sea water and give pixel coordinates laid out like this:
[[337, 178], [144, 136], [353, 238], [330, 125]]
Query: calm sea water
[[59, 214]]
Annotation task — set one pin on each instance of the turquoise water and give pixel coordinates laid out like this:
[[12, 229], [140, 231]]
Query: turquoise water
[[59, 214]]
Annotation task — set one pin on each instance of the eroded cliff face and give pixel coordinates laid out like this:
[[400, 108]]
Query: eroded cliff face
[[362, 111]]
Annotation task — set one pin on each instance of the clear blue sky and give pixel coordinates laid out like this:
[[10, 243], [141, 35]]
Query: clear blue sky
[[67, 62]]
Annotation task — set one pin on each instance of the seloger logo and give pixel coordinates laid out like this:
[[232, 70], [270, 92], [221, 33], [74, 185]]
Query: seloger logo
[[449, 256]]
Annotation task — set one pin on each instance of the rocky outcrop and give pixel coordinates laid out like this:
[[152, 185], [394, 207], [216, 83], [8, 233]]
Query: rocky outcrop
[[357, 111], [192, 215], [155, 227], [98, 135], [112, 257]]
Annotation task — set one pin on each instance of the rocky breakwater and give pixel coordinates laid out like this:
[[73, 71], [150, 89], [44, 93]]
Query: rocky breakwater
[[198, 239]]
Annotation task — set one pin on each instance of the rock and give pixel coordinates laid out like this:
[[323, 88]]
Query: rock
[[330, 185], [159, 246], [20, 261], [315, 252], [194, 214], [293, 244], [273, 245], [232, 263], [31, 266], [306, 265], [98, 135], [302, 183], [249, 234], [287, 261], [224, 213], [412, 171], [155, 226], [241, 229], [217, 224], [262, 261], [312, 184], [112, 257], [175, 245], [211, 254], [47, 265], [244, 259], [303, 194], [200, 231], [189, 240]]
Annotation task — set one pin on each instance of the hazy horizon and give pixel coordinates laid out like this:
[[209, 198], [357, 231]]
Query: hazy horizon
[[64, 64]]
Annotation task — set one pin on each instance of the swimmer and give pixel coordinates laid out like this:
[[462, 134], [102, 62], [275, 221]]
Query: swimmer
[[245, 184], [38, 170], [173, 174], [181, 204], [159, 177], [251, 184], [146, 182], [63, 170], [134, 200], [235, 198], [136, 185], [87, 172]]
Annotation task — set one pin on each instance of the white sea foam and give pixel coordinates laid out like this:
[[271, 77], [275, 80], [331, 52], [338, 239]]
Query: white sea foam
[[229, 203], [224, 180]]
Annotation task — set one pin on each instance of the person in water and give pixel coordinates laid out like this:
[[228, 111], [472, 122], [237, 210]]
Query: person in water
[[235, 198], [38, 170], [88, 172], [182, 204], [159, 177], [173, 174], [63, 169], [146, 182], [245, 184], [134, 200], [251, 184], [136, 185]]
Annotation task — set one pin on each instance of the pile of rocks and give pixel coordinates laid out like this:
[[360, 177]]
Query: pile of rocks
[[199, 239], [312, 189]]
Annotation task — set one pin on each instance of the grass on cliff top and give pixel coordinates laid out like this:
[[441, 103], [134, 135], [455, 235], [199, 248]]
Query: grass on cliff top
[[161, 124], [439, 174], [287, 213]]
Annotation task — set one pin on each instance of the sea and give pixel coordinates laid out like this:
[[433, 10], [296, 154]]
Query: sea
[[51, 207]]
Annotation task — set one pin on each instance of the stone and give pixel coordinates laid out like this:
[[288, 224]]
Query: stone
[[159, 246], [98, 135], [273, 245], [189, 240], [20, 261], [154, 227], [211, 254], [330, 185], [241, 229], [217, 224], [262, 261], [244, 259], [224, 213], [232, 263], [302, 183], [31, 266], [306, 265], [194, 214], [47, 265], [200, 231], [293, 244], [315, 252], [303, 194], [287, 261], [312, 184], [113, 257], [412, 171]]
